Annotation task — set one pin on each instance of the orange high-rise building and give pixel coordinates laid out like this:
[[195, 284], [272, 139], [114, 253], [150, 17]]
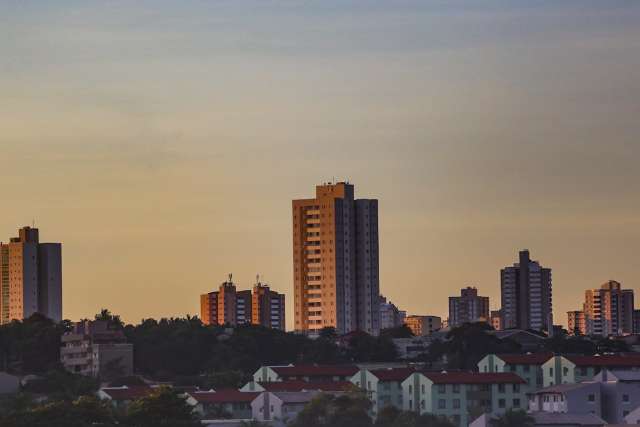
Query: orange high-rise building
[[335, 261]]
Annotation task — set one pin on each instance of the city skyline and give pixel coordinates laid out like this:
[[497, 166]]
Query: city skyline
[[162, 144]]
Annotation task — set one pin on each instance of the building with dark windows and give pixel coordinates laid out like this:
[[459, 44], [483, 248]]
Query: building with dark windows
[[335, 261], [526, 294], [468, 308]]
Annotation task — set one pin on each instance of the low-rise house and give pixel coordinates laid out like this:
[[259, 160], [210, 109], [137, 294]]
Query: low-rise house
[[121, 397], [411, 348], [527, 340], [308, 373], [633, 417], [582, 398], [383, 386], [9, 384], [222, 404], [570, 369], [296, 386], [280, 408], [461, 395], [527, 366], [92, 349], [620, 394]]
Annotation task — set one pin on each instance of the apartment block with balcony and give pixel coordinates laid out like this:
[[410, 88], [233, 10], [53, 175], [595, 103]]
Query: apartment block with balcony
[[423, 325], [93, 349]]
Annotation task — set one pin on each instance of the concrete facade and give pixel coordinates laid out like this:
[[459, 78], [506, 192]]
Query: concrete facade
[[468, 308], [423, 325], [336, 261], [526, 293], [30, 277]]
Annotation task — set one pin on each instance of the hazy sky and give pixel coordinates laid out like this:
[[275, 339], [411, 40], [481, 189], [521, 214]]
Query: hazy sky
[[162, 141]]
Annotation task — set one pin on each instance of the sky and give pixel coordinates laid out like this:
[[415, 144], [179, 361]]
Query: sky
[[163, 141]]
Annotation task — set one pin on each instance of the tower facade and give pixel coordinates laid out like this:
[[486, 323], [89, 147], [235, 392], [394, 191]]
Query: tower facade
[[336, 261], [468, 307], [526, 294], [30, 277], [609, 310]]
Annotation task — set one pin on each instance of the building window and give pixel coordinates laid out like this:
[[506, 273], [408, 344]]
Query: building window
[[625, 398], [456, 388], [456, 403], [442, 404], [442, 388], [516, 403], [591, 398], [501, 388], [516, 388], [502, 403], [527, 368]]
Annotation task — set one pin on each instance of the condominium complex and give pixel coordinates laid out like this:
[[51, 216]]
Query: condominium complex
[[526, 294], [423, 325], [30, 277], [228, 306], [91, 348], [335, 261], [390, 315], [607, 311], [468, 307]]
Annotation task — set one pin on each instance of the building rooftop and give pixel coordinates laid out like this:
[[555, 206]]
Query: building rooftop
[[526, 359], [606, 360], [316, 370], [224, 396], [474, 378], [297, 397], [293, 386], [127, 392], [566, 419], [393, 374], [563, 388]]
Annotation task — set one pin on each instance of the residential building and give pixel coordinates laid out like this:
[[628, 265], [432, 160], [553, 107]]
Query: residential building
[[336, 261], [229, 306], [571, 369], [526, 366], [468, 308], [636, 321], [121, 397], [308, 373], [463, 396], [298, 385], [383, 386], [611, 395], [526, 294], [267, 307], [222, 404], [280, 408], [390, 315], [496, 319], [527, 340], [411, 348], [423, 325], [609, 310], [91, 348], [30, 277], [576, 323]]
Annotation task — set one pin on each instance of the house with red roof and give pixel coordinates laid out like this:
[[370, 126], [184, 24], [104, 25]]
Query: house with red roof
[[279, 408], [297, 386], [308, 373], [463, 396], [571, 369], [527, 366], [121, 397], [222, 404], [383, 386]]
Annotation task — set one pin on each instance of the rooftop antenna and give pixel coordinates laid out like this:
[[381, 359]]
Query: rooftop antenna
[[257, 279], [230, 277]]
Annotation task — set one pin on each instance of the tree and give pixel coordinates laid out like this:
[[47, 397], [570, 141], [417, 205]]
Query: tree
[[402, 331], [326, 410], [163, 407], [113, 320], [513, 418]]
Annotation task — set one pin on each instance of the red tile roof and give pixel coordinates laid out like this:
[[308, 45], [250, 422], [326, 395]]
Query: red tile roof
[[474, 378], [526, 359], [315, 370], [304, 385], [224, 396], [127, 392], [393, 374], [627, 361]]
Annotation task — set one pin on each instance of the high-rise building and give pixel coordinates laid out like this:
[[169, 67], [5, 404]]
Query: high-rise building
[[423, 325], [228, 306], [30, 277], [609, 310], [335, 261], [636, 321], [526, 294], [390, 315], [576, 324], [468, 307], [267, 307]]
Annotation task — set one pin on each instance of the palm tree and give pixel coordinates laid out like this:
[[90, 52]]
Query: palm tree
[[513, 418]]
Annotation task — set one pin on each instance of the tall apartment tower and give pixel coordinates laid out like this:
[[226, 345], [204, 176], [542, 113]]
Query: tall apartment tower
[[468, 307], [576, 323], [267, 307], [30, 277], [229, 306], [336, 261], [609, 310], [526, 294]]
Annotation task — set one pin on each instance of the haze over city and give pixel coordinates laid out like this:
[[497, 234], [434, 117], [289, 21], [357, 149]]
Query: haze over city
[[162, 144]]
